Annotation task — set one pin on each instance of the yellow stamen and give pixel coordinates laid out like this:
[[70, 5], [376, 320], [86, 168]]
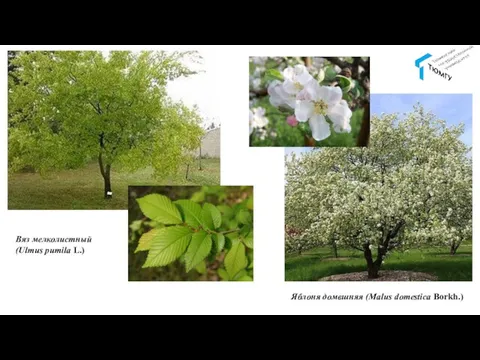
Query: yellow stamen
[[321, 107], [298, 86]]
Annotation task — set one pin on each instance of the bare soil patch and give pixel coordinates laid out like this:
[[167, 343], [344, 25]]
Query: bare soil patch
[[396, 276]]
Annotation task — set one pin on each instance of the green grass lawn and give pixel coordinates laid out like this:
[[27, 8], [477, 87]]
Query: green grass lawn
[[83, 188], [319, 263]]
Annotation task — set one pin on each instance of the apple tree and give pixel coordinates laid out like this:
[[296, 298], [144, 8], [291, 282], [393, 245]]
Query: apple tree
[[412, 187]]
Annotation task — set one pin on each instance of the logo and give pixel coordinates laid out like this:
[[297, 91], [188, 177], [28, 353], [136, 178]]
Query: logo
[[419, 61], [437, 71]]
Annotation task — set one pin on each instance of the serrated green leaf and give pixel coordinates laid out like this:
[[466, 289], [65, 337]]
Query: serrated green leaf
[[223, 274], [220, 242], [248, 240], [233, 236], [215, 214], [244, 217], [240, 275], [160, 208], [198, 250], [168, 245], [146, 239], [226, 211], [235, 260], [233, 224], [192, 212], [207, 220], [249, 204], [201, 268]]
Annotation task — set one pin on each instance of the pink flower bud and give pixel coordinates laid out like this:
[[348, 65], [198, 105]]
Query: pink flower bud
[[292, 121]]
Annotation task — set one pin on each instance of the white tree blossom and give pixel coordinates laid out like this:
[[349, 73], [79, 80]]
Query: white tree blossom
[[296, 79], [411, 187], [258, 120], [319, 101], [311, 102]]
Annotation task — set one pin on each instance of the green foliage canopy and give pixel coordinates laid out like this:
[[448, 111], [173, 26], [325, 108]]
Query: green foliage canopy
[[69, 107]]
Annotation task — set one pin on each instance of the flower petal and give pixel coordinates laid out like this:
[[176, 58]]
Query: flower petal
[[275, 99], [288, 99], [303, 110], [290, 87], [330, 94], [320, 128], [340, 116], [312, 88], [259, 112], [289, 74], [302, 75], [261, 121]]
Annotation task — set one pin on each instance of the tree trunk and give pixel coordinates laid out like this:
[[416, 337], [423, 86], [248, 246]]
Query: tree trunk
[[200, 160], [373, 266], [108, 184], [454, 248], [383, 249], [335, 250], [105, 171], [188, 170]]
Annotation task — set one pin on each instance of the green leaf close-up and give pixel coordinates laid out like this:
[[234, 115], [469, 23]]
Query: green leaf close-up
[[244, 217], [198, 250], [168, 245], [247, 236], [146, 239], [161, 209], [235, 260], [215, 215], [210, 240], [220, 242], [191, 211], [207, 218]]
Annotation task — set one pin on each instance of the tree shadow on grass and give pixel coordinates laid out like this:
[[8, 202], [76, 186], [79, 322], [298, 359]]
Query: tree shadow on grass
[[321, 260], [459, 270]]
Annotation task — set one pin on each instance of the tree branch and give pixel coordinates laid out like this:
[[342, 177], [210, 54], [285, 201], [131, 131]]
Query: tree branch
[[258, 93], [356, 248], [97, 109], [397, 229], [363, 63]]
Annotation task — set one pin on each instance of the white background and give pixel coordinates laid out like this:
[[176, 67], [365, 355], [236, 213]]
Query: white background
[[97, 283]]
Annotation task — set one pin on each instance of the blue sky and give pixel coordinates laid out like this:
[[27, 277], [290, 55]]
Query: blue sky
[[453, 108]]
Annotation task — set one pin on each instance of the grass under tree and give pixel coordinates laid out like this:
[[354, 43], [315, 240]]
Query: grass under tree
[[79, 189], [319, 263]]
